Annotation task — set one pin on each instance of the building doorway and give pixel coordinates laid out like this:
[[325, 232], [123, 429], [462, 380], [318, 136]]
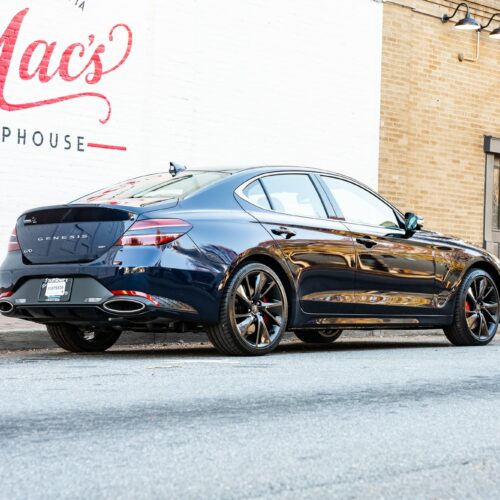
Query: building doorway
[[492, 195]]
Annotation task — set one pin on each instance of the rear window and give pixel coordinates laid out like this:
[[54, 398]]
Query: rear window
[[155, 187]]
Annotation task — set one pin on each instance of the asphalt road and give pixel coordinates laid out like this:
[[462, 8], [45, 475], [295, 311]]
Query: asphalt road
[[408, 418]]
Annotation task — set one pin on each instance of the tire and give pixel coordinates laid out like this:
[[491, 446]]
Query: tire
[[477, 311], [73, 339], [253, 313], [318, 336]]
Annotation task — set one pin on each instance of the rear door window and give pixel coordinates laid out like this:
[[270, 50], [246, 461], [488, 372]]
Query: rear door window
[[294, 194]]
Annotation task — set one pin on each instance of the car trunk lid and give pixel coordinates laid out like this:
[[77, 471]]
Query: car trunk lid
[[72, 233]]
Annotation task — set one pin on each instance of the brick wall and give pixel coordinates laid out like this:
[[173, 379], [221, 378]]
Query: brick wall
[[435, 111]]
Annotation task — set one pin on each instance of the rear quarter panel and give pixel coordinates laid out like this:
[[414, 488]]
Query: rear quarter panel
[[224, 238]]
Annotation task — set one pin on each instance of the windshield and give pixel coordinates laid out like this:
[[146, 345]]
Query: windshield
[[155, 187]]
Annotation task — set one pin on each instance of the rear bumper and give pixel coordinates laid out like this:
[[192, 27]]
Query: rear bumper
[[91, 302], [180, 276]]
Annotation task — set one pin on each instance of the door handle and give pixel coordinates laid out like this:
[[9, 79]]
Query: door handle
[[367, 242], [284, 231]]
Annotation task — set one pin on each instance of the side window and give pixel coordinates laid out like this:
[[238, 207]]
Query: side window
[[359, 205], [255, 194], [294, 194]]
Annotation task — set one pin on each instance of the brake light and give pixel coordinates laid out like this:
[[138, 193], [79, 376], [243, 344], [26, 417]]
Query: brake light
[[154, 232], [6, 294], [13, 243]]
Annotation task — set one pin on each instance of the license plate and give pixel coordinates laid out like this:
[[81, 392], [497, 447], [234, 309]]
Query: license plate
[[55, 289]]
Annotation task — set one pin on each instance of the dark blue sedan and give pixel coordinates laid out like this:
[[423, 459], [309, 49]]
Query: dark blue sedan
[[244, 255]]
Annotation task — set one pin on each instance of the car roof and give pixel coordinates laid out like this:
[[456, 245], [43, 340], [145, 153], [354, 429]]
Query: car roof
[[255, 170], [238, 169], [266, 169], [243, 174]]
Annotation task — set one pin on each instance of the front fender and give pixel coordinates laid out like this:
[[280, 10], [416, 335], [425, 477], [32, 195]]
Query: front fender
[[452, 265]]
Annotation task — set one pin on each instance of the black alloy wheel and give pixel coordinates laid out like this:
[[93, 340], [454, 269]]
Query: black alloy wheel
[[253, 312], [476, 311], [74, 339]]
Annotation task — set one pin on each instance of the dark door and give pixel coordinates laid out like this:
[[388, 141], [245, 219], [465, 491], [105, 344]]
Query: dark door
[[395, 274], [492, 203], [320, 252]]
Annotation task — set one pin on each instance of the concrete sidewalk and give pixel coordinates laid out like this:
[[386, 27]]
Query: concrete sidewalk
[[18, 335], [39, 339], [18, 325]]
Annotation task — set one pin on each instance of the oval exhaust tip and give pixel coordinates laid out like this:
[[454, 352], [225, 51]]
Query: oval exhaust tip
[[6, 307], [124, 306]]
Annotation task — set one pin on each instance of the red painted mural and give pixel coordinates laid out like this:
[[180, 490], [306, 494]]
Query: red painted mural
[[86, 56]]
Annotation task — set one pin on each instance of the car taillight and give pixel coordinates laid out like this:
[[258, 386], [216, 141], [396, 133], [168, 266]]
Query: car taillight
[[13, 243], [154, 232]]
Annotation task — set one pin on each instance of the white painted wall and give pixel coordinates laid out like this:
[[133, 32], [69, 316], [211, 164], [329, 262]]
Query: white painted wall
[[212, 82]]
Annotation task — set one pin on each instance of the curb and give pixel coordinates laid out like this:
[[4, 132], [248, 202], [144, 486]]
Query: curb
[[19, 339]]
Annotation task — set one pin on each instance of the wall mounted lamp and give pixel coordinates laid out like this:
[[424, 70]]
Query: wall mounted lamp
[[468, 23], [495, 34]]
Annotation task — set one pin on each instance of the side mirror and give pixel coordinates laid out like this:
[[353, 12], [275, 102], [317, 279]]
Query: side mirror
[[412, 223]]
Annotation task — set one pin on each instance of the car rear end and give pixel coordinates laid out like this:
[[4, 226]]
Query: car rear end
[[116, 260], [67, 263]]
